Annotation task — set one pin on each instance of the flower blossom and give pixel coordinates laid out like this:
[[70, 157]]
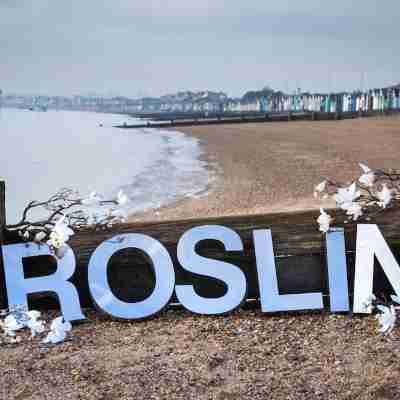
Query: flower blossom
[[385, 196], [11, 324], [18, 320], [320, 188], [386, 318], [93, 199], [368, 177], [354, 210], [60, 234], [58, 331], [346, 196], [122, 198], [368, 302], [324, 221], [34, 324], [39, 237]]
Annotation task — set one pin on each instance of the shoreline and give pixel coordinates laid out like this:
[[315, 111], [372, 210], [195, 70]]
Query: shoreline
[[265, 168]]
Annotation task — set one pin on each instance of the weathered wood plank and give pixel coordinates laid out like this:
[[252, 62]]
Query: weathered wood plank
[[299, 250]]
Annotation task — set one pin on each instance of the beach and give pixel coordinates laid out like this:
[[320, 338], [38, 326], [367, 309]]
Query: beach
[[254, 168], [272, 167]]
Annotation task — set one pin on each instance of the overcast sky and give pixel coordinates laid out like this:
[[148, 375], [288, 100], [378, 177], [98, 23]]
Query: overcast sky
[[153, 47]]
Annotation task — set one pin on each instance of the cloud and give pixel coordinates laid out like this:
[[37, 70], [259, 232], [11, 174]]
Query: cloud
[[11, 3], [129, 46]]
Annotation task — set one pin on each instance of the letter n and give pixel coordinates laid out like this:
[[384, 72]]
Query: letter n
[[370, 244]]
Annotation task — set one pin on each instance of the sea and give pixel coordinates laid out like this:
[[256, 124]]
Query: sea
[[42, 152]]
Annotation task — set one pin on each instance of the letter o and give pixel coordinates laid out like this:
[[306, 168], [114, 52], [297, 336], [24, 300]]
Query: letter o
[[163, 269]]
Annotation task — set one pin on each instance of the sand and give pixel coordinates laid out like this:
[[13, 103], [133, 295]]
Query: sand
[[269, 167], [247, 354]]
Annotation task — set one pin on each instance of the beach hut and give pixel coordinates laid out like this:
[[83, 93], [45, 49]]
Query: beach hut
[[397, 96]]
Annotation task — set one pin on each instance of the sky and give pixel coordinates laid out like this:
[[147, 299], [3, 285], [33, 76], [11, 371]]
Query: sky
[[154, 47]]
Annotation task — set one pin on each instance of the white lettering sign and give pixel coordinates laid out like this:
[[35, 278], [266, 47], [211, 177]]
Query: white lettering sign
[[370, 244]]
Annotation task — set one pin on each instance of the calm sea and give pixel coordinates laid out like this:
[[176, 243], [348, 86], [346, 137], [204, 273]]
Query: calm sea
[[41, 152]]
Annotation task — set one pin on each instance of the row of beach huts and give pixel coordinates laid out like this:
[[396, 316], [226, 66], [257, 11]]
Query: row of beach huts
[[372, 100]]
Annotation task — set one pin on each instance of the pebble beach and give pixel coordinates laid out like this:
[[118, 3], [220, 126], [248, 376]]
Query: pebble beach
[[264, 168], [254, 168]]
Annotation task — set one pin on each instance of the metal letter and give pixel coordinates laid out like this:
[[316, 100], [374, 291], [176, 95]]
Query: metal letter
[[163, 270], [18, 287], [271, 300], [230, 274], [337, 270], [370, 242]]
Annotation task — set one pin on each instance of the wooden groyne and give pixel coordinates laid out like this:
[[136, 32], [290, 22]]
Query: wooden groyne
[[163, 120], [299, 247]]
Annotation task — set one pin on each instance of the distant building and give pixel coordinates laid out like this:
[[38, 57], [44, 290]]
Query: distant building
[[206, 101]]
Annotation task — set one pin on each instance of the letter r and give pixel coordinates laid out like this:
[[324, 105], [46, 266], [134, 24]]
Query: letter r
[[18, 287]]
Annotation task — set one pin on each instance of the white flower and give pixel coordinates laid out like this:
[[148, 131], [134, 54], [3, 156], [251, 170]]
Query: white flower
[[15, 322], [60, 324], [34, 324], [365, 168], [56, 240], [320, 188], [385, 196], [346, 196], [368, 302], [33, 314], [387, 318], [368, 177], [62, 228], [122, 198], [60, 234], [58, 331], [354, 210], [10, 325], [39, 237], [324, 221], [93, 199]]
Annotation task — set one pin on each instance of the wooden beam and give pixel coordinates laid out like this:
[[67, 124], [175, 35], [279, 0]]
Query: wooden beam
[[298, 245]]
